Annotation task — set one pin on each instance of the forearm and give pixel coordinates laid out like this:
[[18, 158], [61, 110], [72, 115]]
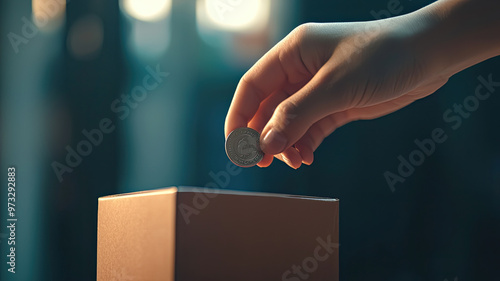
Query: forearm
[[459, 33]]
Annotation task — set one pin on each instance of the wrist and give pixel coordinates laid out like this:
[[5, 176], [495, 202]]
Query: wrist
[[455, 34]]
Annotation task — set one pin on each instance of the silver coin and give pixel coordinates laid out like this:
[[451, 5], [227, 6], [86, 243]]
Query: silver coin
[[243, 147]]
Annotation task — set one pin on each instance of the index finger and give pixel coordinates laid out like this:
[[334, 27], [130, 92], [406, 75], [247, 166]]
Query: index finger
[[266, 76]]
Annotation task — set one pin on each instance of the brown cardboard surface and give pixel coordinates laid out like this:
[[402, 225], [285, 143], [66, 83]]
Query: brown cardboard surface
[[136, 236], [225, 235]]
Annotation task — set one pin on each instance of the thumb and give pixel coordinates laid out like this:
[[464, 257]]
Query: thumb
[[295, 115]]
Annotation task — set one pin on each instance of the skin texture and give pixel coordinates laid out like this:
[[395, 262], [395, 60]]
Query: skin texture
[[324, 75]]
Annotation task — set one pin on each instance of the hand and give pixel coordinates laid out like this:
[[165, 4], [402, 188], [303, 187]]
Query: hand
[[322, 76]]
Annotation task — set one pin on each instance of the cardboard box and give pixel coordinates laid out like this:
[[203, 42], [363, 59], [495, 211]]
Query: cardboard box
[[192, 234]]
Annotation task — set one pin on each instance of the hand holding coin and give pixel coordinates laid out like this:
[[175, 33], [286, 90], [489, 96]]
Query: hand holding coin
[[243, 147]]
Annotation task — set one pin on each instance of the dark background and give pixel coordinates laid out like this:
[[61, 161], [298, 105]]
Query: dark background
[[442, 222]]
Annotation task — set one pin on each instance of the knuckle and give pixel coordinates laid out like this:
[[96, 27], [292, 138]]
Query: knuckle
[[286, 113], [244, 79], [286, 109], [303, 31]]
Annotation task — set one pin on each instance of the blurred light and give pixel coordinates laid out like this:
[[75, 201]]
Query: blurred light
[[147, 10], [48, 15], [85, 37], [233, 15]]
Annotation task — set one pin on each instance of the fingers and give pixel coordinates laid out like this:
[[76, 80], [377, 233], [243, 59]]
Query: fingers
[[296, 114], [327, 125], [291, 157], [277, 69], [318, 132], [266, 161], [266, 110], [261, 80], [268, 106]]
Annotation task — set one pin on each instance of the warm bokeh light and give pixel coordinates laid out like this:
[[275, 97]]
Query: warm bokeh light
[[147, 10], [48, 14], [233, 15]]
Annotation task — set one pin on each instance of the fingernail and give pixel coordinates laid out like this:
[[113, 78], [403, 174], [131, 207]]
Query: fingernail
[[273, 142]]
